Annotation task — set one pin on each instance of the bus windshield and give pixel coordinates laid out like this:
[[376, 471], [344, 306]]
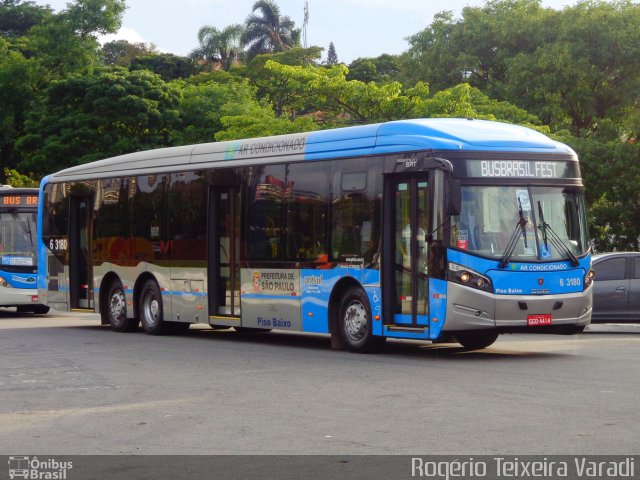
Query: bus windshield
[[17, 240], [524, 223]]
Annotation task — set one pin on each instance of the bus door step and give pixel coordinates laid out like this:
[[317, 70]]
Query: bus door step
[[406, 328]]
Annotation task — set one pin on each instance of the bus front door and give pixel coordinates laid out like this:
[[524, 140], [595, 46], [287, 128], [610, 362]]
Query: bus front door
[[406, 282], [224, 255], [80, 277]]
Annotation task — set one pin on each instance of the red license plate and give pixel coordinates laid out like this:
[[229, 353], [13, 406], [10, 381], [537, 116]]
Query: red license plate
[[539, 320]]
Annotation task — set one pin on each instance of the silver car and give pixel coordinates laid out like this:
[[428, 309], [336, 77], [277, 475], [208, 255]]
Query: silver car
[[616, 287]]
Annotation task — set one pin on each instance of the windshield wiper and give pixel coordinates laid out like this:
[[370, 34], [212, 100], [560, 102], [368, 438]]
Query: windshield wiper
[[515, 236], [549, 234], [26, 226]]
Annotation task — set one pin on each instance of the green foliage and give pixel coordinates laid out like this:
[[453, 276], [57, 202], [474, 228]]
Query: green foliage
[[18, 77], [167, 65], [120, 53], [331, 92], [17, 179], [66, 43], [261, 122], [219, 47], [269, 31], [17, 17], [205, 100], [572, 68], [611, 171], [89, 117], [383, 69], [332, 56]]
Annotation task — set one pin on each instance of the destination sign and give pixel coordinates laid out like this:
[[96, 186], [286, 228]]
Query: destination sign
[[19, 201], [521, 169]]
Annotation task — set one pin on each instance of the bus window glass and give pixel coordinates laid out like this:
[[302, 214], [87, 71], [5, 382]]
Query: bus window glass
[[264, 212], [187, 222], [56, 218], [564, 216], [17, 239], [355, 213], [307, 208], [110, 221], [148, 218], [491, 215]]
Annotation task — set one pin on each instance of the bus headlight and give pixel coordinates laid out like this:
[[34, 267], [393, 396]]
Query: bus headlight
[[588, 278], [469, 278], [4, 283]]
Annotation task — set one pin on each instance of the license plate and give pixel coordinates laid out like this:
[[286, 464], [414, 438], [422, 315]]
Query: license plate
[[539, 320]]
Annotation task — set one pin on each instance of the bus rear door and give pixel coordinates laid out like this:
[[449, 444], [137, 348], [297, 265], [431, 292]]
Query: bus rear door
[[80, 276], [224, 253]]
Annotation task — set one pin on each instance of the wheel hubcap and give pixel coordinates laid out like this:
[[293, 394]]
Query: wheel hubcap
[[355, 320], [151, 310], [117, 305]]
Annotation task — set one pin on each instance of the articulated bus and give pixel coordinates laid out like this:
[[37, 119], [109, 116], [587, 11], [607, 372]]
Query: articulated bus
[[433, 229], [18, 261]]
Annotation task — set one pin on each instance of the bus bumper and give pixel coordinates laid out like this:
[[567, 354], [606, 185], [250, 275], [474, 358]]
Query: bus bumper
[[471, 309], [13, 297]]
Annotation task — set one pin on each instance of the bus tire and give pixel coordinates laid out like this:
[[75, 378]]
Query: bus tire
[[41, 309], [114, 310], [150, 310], [476, 340], [355, 323]]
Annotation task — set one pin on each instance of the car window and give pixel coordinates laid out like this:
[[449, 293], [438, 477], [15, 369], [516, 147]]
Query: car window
[[612, 269], [637, 265]]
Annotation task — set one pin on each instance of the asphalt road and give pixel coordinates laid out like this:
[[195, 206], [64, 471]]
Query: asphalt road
[[69, 386]]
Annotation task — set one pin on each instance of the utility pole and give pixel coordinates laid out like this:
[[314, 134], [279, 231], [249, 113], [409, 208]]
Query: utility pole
[[305, 23]]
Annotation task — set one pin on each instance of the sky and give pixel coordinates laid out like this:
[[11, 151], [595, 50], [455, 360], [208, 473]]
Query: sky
[[357, 28]]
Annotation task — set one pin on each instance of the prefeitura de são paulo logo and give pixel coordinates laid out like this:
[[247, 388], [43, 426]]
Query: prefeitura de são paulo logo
[[38, 469]]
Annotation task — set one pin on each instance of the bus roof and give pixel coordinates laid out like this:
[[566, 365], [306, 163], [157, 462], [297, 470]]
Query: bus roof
[[437, 134]]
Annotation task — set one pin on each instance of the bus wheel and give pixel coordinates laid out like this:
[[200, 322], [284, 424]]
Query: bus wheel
[[114, 310], [354, 323], [476, 340], [150, 310], [40, 309]]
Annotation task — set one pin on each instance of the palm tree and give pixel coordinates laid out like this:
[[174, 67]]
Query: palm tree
[[269, 32], [219, 46]]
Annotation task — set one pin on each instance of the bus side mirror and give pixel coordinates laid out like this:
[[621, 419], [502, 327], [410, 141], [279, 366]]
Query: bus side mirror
[[454, 197]]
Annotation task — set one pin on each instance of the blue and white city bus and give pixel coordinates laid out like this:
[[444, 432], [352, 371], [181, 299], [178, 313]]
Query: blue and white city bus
[[18, 260], [420, 229]]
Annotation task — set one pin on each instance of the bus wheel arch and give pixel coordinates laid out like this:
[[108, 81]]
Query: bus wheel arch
[[113, 306], [350, 318]]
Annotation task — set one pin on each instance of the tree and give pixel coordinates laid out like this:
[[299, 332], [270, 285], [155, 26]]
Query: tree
[[120, 53], [573, 68], [18, 93], [207, 98], [89, 117], [281, 92], [269, 32], [332, 56], [382, 69], [611, 172], [18, 17], [67, 41], [167, 65], [221, 47], [330, 91]]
